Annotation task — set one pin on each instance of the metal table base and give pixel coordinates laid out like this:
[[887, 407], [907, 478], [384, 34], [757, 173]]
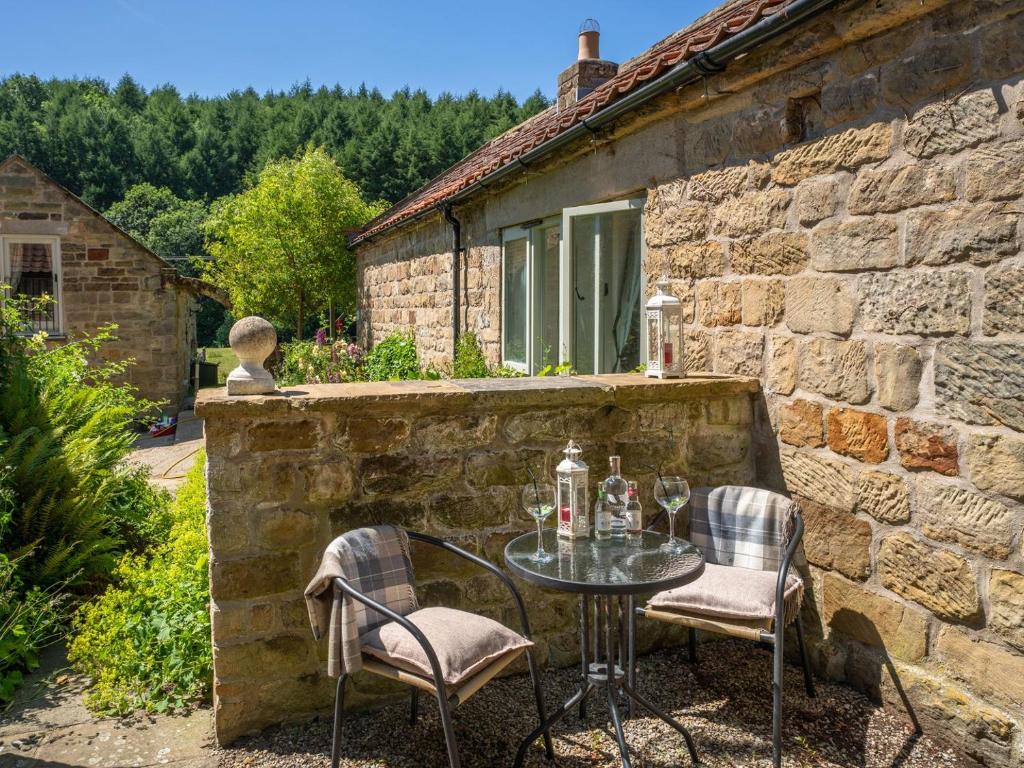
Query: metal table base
[[614, 672]]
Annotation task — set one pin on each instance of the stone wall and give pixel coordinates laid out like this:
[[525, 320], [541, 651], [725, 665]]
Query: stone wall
[[404, 283], [107, 278], [289, 472], [872, 277]]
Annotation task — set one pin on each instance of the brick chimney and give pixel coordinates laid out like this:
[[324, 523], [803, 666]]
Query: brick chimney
[[589, 69]]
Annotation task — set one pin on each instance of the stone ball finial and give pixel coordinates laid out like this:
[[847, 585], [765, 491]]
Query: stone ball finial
[[252, 339]]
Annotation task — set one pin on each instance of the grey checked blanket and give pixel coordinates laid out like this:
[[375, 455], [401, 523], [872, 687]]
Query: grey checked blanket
[[375, 561], [744, 527]]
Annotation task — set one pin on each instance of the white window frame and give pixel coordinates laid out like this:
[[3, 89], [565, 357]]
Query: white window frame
[[58, 272], [565, 276], [507, 235], [530, 234]]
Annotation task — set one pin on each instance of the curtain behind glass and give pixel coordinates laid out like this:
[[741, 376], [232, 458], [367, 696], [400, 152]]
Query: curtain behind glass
[[31, 275], [545, 296], [515, 301], [620, 275]]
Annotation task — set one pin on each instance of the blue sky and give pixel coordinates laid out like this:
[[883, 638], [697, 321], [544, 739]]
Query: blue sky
[[216, 46]]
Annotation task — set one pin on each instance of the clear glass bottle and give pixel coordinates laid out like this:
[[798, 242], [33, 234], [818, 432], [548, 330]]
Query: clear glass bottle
[[602, 515], [615, 490], [634, 513]]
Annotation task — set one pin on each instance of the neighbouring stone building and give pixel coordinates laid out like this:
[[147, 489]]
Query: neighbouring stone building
[[53, 243], [836, 191]]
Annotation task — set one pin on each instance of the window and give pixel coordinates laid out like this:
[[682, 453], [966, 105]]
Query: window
[[575, 299], [31, 267]]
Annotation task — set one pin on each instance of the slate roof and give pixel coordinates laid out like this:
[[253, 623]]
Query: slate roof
[[710, 30]]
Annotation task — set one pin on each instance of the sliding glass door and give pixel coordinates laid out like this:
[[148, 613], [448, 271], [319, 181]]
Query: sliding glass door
[[601, 287]]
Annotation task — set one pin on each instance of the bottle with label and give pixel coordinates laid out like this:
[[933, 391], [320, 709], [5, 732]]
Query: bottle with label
[[634, 513], [602, 515], [615, 490]]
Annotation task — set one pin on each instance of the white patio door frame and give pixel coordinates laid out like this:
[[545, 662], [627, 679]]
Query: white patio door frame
[[510, 234], [530, 234], [58, 273], [565, 276]]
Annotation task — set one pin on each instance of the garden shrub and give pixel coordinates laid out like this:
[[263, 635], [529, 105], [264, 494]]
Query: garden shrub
[[30, 618], [146, 640], [69, 502], [393, 358], [469, 362], [68, 431]]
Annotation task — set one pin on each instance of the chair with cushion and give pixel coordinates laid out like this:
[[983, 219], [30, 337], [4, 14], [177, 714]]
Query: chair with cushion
[[749, 537], [363, 598]]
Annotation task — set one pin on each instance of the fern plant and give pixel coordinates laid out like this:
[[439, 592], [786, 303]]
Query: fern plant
[[66, 433]]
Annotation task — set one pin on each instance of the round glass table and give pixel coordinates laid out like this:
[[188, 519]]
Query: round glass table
[[609, 574]]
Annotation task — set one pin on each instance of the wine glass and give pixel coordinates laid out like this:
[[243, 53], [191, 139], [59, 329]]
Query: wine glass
[[538, 501], [672, 493]]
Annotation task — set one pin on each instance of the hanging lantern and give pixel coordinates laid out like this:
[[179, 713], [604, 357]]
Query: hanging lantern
[[664, 334], [571, 478]]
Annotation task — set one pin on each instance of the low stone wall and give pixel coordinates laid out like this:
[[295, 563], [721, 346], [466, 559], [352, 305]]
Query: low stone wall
[[289, 472]]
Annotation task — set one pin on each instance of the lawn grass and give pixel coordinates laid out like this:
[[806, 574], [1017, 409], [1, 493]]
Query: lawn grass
[[225, 360]]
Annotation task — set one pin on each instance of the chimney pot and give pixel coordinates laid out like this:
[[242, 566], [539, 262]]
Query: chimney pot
[[590, 40], [588, 71]]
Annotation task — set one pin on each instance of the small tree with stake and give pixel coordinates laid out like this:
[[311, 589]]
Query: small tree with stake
[[279, 248]]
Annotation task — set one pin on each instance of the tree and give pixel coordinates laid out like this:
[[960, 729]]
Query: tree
[[99, 140], [171, 228], [280, 247]]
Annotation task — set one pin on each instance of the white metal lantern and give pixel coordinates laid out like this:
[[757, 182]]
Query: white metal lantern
[[571, 478], [664, 334]]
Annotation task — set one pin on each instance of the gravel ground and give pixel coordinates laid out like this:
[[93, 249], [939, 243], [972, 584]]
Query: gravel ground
[[725, 702]]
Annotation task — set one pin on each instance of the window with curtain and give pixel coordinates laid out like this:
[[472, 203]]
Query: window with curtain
[[31, 269]]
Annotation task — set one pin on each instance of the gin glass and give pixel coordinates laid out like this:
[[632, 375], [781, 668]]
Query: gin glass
[[672, 493], [538, 501]]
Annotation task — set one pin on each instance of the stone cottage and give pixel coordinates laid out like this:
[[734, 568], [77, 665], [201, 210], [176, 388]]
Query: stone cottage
[[835, 190], [54, 244]]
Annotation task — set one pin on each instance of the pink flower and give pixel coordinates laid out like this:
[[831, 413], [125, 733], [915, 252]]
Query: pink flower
[[321, 337]]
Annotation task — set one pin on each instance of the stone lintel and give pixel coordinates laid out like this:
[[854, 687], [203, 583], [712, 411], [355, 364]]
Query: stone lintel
[[472, 394]]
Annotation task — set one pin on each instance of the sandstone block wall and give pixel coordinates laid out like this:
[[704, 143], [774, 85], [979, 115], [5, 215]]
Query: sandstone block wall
[[107, 278], [404, 283], [871, 275], [288, 473]]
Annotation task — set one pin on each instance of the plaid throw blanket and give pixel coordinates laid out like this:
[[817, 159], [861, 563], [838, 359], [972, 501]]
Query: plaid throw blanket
[[744, 527], [375, 561]]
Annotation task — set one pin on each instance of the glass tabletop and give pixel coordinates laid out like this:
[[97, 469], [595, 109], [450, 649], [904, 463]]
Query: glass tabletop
[[605, 567]]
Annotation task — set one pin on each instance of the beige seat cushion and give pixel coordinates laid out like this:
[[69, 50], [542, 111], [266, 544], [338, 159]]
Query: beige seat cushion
[[464, 643], [728, 592]]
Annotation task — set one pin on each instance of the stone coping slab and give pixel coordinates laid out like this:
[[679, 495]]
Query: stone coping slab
[[474, 394]]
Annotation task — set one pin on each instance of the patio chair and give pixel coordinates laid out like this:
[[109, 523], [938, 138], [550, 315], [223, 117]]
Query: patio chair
[[365, 592], [749, 538]]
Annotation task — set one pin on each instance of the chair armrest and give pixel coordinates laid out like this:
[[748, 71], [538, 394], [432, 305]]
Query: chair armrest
[[780, 582], [486, 565], [408, 626]]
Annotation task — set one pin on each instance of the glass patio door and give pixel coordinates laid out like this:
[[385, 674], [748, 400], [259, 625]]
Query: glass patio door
[[530, 307], [601, 284]]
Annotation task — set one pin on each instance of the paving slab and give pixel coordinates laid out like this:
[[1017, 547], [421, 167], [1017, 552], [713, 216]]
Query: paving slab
[[48, 725], [169, 458]]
